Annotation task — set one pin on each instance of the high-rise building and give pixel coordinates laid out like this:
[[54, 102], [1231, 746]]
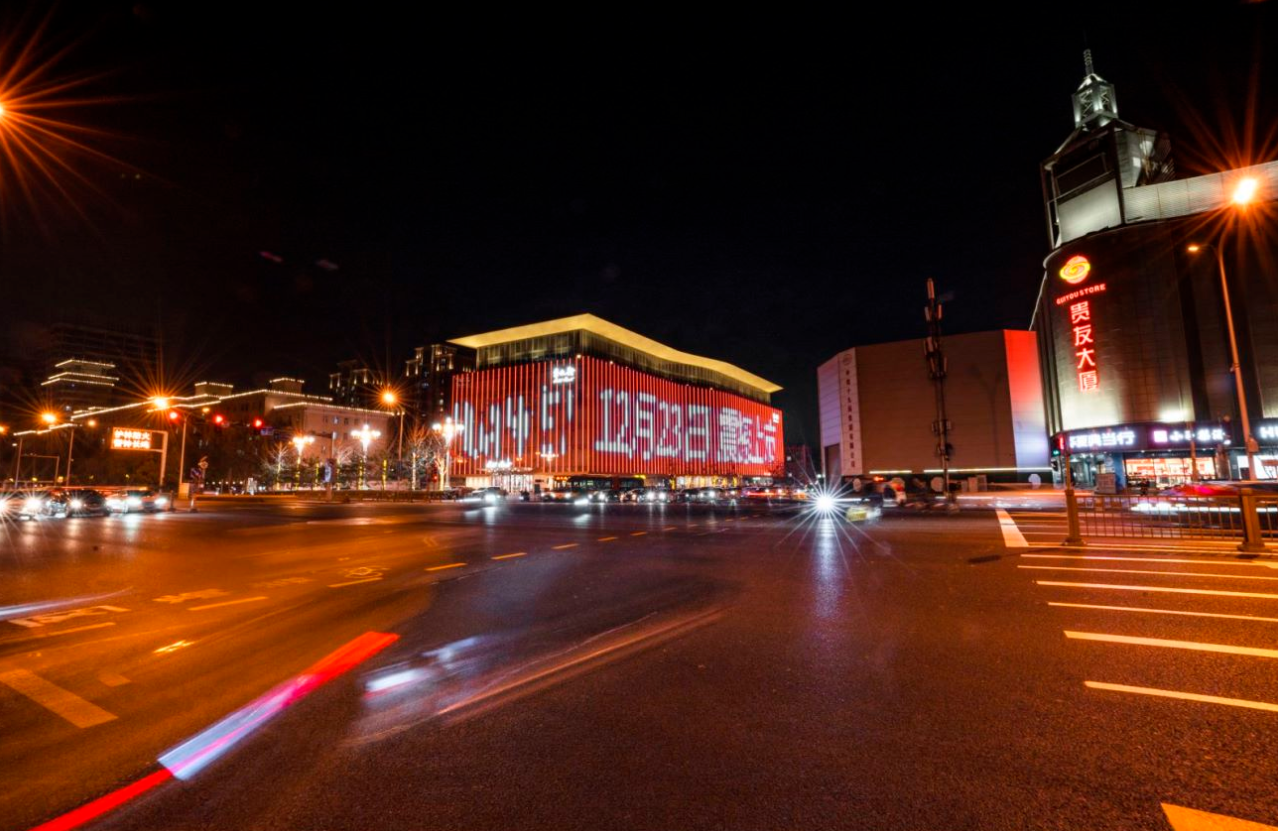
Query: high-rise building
[[86, 365], [1133, 336], [430, 373], [356, 384]]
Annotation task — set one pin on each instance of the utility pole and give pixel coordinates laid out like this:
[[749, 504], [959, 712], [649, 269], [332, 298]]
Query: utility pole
[[936, 366]]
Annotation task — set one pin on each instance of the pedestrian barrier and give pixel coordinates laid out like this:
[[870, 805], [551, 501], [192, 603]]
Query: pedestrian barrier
[[1251, 517]]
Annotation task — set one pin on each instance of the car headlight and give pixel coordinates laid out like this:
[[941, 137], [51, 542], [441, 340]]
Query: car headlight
[[77, 504], [134, 501], [825, 503], [160, 501], [34, 504]]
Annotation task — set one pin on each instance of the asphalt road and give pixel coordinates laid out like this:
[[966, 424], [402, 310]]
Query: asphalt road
[[624, 667]]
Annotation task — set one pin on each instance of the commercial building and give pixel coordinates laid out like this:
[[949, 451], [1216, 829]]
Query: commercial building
[[582, 397], [1133, 333], [877, 408]]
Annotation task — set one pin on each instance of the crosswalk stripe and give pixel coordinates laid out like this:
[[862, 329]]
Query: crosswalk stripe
[[1224, 648], [1256, 618], [65, 703], [1146, 571], [1209, 560], [1167, 589]]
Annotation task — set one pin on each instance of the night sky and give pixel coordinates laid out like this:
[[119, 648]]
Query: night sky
[[765, 190]]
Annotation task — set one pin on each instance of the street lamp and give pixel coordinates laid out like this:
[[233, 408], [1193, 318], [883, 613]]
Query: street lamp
[[448, 430], [300, 443], [1244, 194], [390, 399], [365, 436]]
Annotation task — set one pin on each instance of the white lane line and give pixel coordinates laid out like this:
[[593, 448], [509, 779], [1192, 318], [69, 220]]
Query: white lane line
[[669, 528], [69, 631], [354, 582], [226, 603], [508, 556], [446, 566], [1256, 618], [1167, 589], [65, 703], [1146, 571], [605, 539], [1189, 819], [1012, 536], [642, 533], [1224, 648], [562, 547], [1186, 696], [1207, 560]]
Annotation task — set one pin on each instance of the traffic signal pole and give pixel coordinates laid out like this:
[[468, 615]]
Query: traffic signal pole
[[937, 370]]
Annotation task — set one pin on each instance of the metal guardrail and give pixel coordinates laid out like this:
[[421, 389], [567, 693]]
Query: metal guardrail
[[1251, 518]]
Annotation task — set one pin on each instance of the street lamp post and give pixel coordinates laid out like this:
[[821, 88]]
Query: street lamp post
[[448, 430], [390, 399], [300, 442], [1244, 193], [365, 436]]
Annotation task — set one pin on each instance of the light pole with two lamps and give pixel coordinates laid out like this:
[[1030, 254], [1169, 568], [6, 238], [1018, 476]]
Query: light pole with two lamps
[[448, 431]]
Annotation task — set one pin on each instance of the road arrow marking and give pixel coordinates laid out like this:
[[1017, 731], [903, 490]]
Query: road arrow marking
[[1187, 819]]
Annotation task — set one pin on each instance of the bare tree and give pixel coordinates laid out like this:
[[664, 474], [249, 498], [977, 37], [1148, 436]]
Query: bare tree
[[425, 448]]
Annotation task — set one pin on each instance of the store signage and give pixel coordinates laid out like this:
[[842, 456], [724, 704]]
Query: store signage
[[1267, 431], [1109, 439], [1184, 435], [563, 374], [128, 438], [1080, 318], [1075, 270]]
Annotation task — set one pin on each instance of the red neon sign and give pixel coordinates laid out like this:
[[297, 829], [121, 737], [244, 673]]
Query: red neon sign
[[587, 415]]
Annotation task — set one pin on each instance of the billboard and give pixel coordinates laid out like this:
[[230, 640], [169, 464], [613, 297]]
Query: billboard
[[587, 415], [130, 438]]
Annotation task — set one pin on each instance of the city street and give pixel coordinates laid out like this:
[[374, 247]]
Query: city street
[[624, 666]]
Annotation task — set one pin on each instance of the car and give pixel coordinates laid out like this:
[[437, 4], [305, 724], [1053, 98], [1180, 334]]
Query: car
[[648, 495], [605, 495], [1220, 487], [137, 500], [42, 504], [10, 503], [85, 502], [489, 496], [565, 495]]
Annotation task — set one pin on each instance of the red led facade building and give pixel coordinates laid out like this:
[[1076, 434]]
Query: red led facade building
[[582, 397]]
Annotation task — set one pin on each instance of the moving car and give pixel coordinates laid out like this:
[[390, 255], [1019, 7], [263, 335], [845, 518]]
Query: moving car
[[42, 504], [84, 502], [137, 500]]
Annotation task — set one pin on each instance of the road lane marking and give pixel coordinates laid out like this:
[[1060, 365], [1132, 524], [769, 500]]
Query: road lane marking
[[1224, 648], [225, 603], [669, 528], [606, 539], [203, 594], [1208, 560], [1012, 536], [354, 582], [638, 533], [508, 556], [445, 566], [37, 621], [1146, 571], [1189, 819], [1209, 699], [1167, 589], [1256, 618], [562, 547], [72, 630], [113, 679], [64, 703]]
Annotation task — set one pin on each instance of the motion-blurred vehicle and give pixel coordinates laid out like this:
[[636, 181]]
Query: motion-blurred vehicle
[[85, 502], [648, 495], [605, 495], [42, 505], [571, 495], [1220, 487], [10, 503], [137, 500]]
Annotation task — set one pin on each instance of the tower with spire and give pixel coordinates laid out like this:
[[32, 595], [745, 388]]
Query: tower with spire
[[1084, 180]]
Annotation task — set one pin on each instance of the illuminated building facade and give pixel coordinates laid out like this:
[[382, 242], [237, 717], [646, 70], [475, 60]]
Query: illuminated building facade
[[580, 396], [1133, 339], [877, 407]]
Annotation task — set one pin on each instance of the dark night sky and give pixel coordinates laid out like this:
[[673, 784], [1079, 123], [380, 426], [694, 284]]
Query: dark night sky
[[763, 190]]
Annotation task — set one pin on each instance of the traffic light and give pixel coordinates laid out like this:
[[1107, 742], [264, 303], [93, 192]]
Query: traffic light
[[219, 419], [174, 415], [257, 424]]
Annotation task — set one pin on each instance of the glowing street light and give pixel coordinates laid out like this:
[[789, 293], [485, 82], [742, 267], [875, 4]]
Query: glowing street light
[[448, 430], [365, 437], [390, 399], [1245, 190], [49, 418]]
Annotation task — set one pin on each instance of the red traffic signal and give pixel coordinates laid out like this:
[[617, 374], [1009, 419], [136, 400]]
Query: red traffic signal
[[174, 415], [257, 424], [219, 419]]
